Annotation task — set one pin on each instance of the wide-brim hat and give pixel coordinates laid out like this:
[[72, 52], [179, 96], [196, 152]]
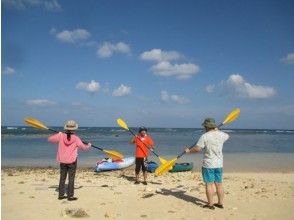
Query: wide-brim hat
[[209, 123], [71, 125]]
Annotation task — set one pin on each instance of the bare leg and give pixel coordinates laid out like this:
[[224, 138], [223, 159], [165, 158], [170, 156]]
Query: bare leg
[[145, 175], [209, 193], [220, 193], [137, 176], [137, 170]]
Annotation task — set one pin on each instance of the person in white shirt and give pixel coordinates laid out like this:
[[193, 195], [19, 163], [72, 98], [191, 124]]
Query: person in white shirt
[[211, 142]]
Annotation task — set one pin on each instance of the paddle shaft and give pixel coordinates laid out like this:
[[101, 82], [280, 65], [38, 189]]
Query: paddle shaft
[[99, 148], [184, 152], [144, 144]]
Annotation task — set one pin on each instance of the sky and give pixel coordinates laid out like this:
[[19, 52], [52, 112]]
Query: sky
[[162, 63]]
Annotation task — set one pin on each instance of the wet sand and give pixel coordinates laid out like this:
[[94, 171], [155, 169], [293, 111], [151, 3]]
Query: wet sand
[[31, 193], [233, 162]]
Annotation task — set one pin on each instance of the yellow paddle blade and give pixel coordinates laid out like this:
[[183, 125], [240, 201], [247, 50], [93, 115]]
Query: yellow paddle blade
[[35, 123], [162, 161], [122, 123], [165, 167], [232, 116], [114, 154]]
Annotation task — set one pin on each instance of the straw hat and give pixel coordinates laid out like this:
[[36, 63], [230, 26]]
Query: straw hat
[[71, 125], [209, 123]]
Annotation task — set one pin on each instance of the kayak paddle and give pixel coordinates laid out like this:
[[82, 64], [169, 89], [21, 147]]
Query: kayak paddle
[[124, 125], [39, 125], [166, 166]]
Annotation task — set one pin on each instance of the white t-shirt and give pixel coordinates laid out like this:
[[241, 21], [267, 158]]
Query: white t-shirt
[[212, 143]]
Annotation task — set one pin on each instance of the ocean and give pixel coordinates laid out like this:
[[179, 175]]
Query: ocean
[[246, 150]]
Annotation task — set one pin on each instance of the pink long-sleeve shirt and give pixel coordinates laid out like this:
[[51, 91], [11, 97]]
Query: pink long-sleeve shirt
[[67, 149]]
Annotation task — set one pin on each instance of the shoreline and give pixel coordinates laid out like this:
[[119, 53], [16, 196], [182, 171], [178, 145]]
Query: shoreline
[[131, 168], [233, 162]]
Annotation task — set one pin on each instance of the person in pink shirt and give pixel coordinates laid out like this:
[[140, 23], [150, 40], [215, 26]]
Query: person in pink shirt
[[68, 145]]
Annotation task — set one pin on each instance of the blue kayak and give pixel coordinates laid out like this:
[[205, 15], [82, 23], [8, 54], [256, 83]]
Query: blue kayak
[[109, 164], [151, 166]]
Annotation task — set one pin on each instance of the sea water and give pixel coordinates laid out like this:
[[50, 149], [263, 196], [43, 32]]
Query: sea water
[[247, 149]]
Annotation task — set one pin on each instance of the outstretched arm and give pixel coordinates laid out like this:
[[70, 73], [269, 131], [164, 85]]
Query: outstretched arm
[[194, 149], [54, 139], [198, 146], [83, 146]]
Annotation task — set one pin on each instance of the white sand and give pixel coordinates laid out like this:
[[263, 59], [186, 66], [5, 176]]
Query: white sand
[[32, 194]]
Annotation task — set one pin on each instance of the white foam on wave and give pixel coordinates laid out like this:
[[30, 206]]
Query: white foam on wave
[[229, 131], [117, 130], [171, 129], [11, 128]]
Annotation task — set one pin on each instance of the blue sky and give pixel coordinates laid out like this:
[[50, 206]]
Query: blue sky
[[153, 63]]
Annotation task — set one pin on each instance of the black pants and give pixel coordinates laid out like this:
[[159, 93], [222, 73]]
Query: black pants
[[141, 163], [69, 169]]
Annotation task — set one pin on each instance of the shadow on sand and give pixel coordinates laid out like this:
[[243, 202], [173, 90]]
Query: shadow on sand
[[181, 195], [56, 187], [132, 179]]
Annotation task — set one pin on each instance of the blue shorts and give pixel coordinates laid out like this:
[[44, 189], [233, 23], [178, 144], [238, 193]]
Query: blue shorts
[[212, 175]]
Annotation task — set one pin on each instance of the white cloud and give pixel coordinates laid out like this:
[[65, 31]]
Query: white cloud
[[90, 87], [289, 59], [160, 55], [107, 49], [122, 90], [50, 5], [164, 65], [72, 36], [235, 85], [8, 71], [180, 71], [167, 98], [40, 102], [210, 88]]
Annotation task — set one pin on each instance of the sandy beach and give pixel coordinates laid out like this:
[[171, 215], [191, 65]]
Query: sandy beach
[[31, 193]]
